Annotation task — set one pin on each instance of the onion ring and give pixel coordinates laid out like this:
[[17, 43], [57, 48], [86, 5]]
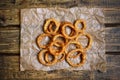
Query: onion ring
[[58, 48], [50, 27], [78, 46], [46, 63], [89, 40], [83, 25], [60, 35], [62, 57], [83, 58], [62, 23], [72, 35], [39, 39], [56, 52], [59, 60], [48, 21]]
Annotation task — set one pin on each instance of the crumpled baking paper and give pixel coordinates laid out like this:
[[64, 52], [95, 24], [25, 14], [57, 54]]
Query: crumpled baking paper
[[32, 21]]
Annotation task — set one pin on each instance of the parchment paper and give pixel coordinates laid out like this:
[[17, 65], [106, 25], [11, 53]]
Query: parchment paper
[[32, 21]]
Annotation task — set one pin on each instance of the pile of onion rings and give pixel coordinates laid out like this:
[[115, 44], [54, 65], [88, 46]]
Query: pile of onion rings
[[56, 48]]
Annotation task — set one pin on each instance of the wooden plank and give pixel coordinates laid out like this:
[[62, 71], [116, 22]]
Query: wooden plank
[[113, 48], [10, 39], [112, 15], [7, 4], [111, 74], [112, 39], [9, 68], [12, 16], [113, 70], [35, 3], [9, 17], [101, 3], [112, 35], [35, 75]]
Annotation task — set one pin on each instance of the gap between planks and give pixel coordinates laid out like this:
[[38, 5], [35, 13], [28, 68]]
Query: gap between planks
[[9, 67], [12, 16], [8, 4]]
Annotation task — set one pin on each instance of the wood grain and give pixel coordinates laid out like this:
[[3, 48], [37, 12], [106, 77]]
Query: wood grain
[[112, 35], [7, 4], [112, 16], [10, 67], [10, 40], [113, 71], [101, 3], [9, 17], [12, 16]]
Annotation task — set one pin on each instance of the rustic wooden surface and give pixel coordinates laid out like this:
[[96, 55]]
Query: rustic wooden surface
[[10, 40]]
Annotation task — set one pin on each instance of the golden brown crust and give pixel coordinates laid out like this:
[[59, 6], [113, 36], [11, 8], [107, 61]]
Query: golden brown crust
[[72, 35], [83, 58], [56, 37], [78, 46], [56, 52], [47, 24], [39, 39], [50, 27], [89, 40], [62, 57], [58, 59], [83, 25], [40, 55]]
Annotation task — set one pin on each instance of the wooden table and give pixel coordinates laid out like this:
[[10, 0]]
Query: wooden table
[[10, 40]]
